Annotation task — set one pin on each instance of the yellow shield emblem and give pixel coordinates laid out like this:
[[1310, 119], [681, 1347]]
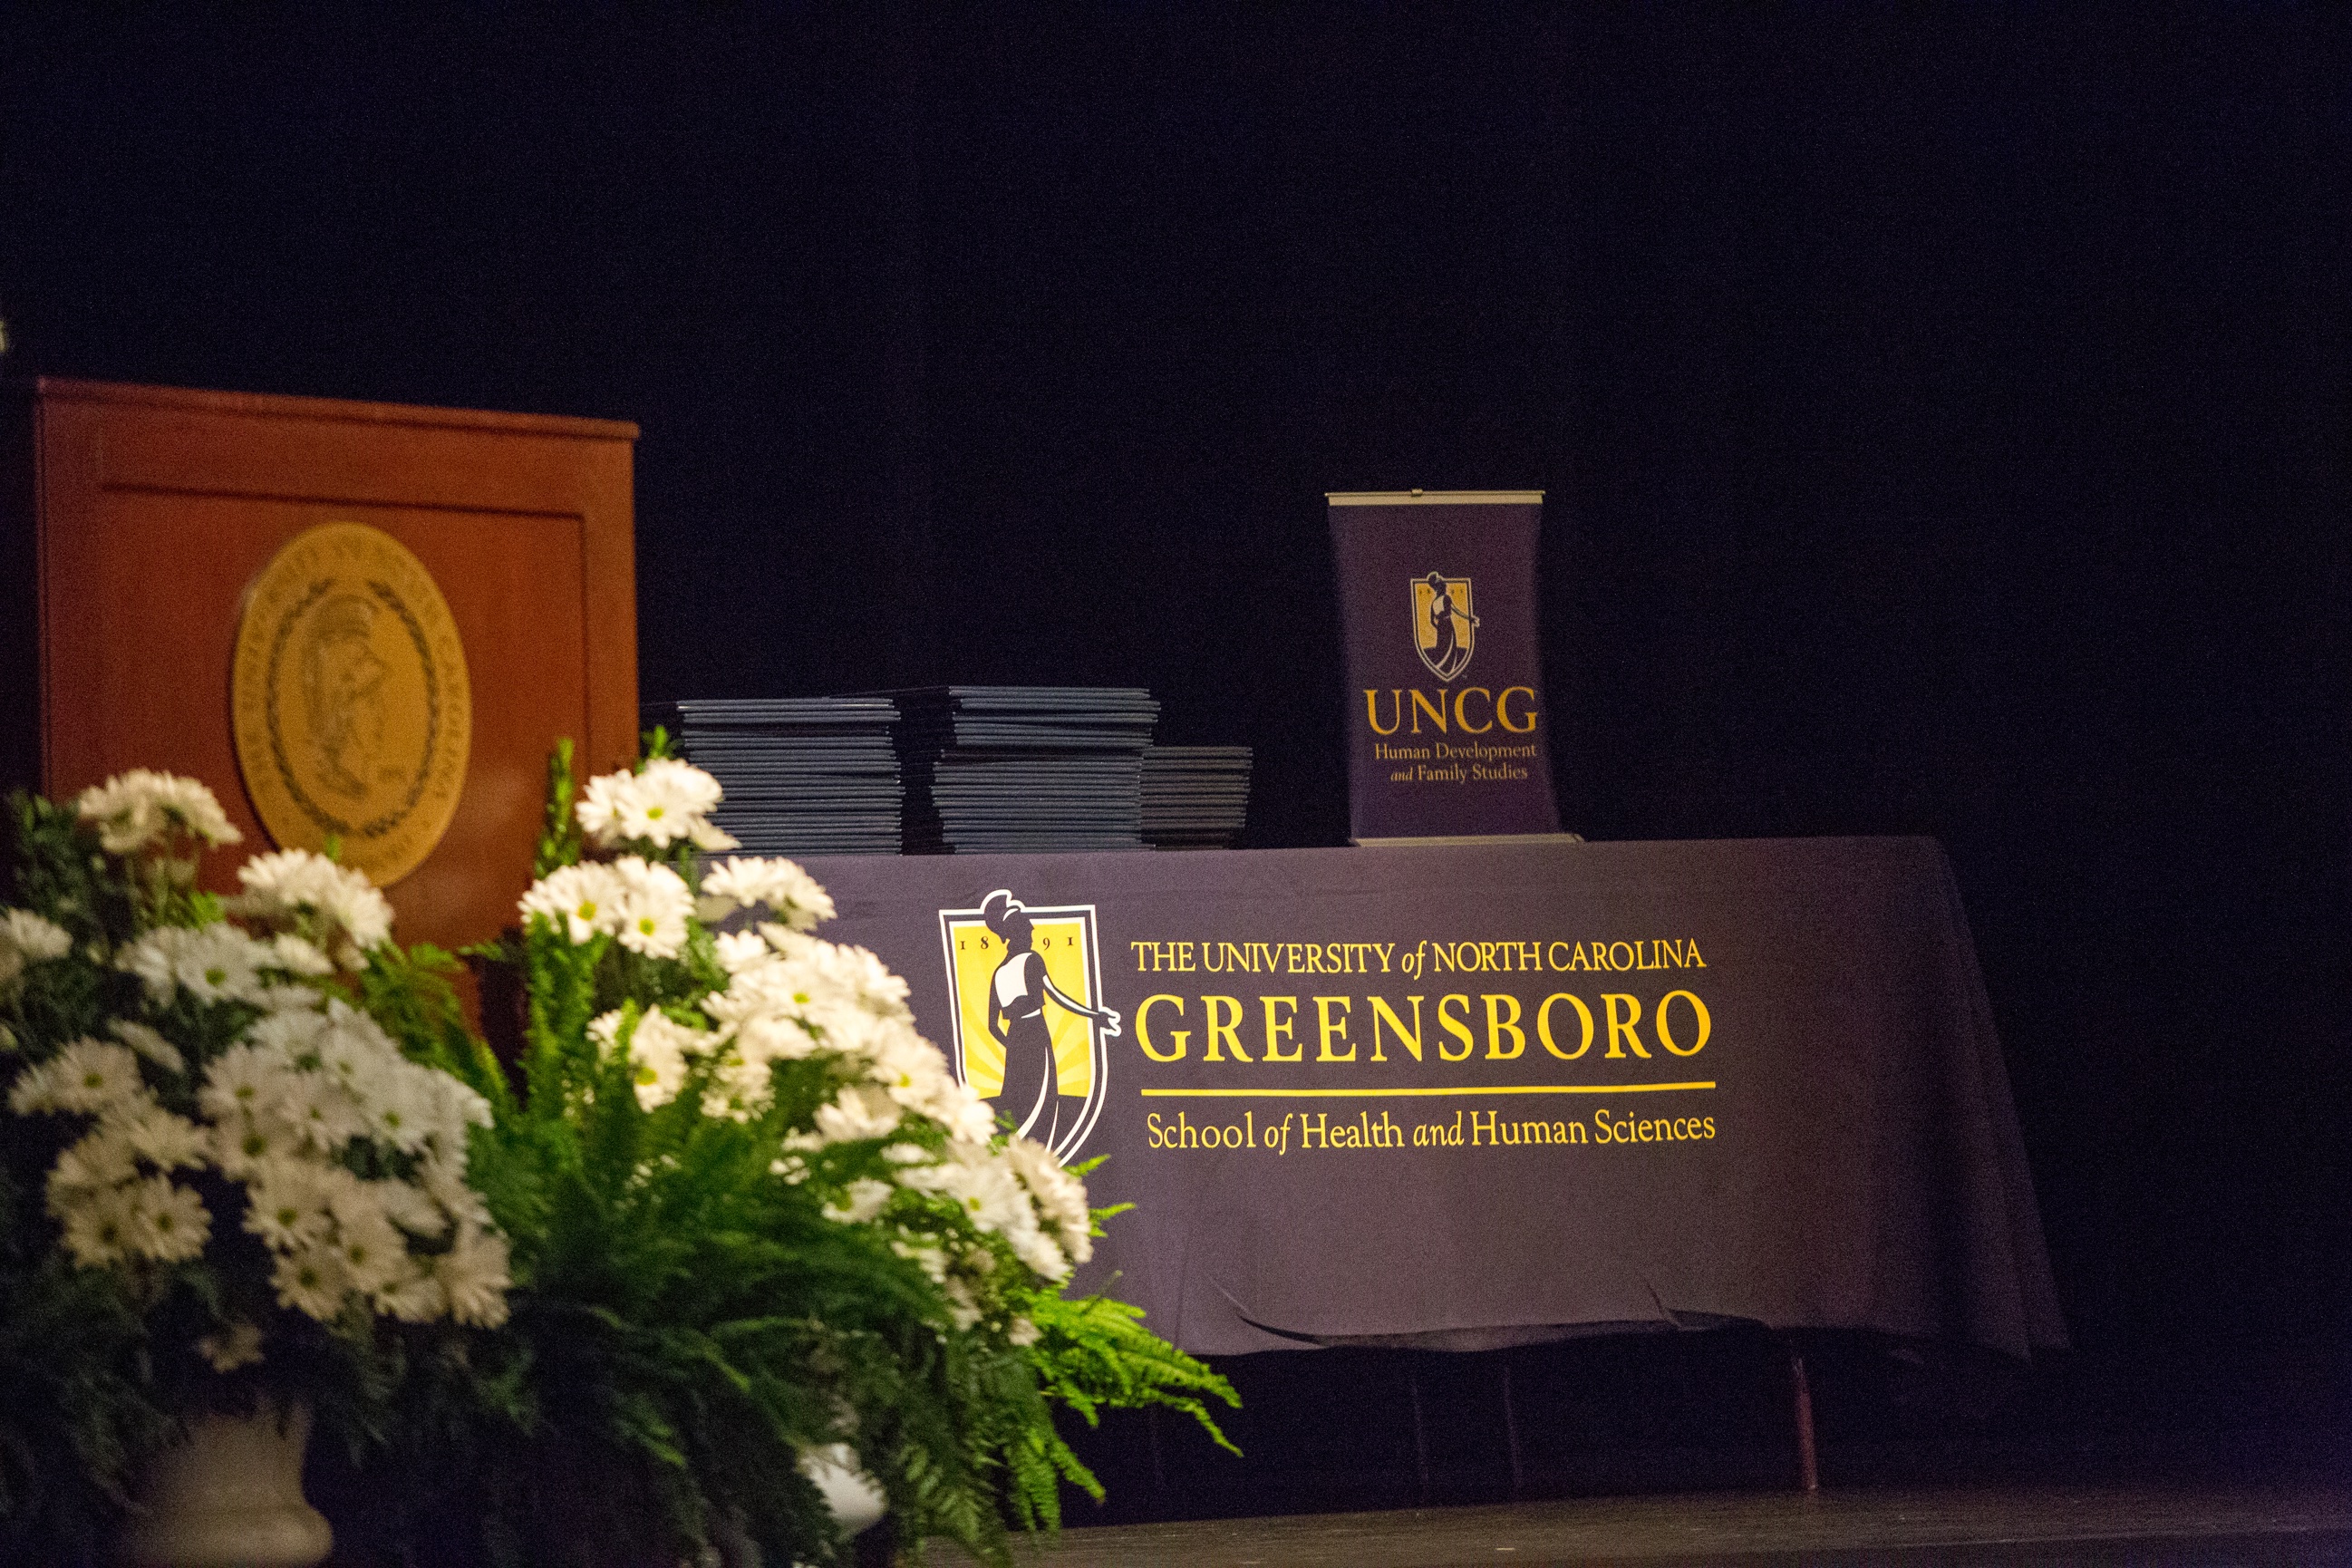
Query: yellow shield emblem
[[1443, 630], [1029, 1026]]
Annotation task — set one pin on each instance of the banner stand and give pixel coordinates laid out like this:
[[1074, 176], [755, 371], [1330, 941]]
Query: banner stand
[[1447, 738]]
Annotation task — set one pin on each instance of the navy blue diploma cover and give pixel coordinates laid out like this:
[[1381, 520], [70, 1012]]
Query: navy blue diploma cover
[[1447, 732]]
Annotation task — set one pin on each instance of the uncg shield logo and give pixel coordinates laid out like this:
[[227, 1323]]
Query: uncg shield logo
[[1030, 1033], [1444, 629]]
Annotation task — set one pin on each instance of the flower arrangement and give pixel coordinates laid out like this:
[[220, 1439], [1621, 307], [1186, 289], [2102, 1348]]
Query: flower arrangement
[[221, 1184], [754, 1218]]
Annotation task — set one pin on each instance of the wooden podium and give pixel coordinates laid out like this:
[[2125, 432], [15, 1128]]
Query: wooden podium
[[135, 521]]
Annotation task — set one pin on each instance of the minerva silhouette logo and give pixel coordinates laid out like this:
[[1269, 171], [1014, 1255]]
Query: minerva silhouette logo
[[1444, 629], [1030, 1032]]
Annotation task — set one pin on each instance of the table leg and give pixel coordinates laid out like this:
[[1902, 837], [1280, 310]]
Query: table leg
[[1420, 1432], [1511, 1431], [1809, 1469]]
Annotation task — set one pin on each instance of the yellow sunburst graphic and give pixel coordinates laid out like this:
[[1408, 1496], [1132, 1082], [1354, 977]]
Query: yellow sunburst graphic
[[977, 953]]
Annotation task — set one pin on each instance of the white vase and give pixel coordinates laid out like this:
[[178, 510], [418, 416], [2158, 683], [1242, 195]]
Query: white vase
[[856, 1501], [849, 1492], [229, 1497]]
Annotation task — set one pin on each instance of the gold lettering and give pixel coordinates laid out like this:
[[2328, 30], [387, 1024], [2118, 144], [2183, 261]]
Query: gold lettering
[[1278, 1029], [1143, 1029], [1372, 709], [1543, 1025], [1224, 1024], [1622, 1028], [1457, 1027], [1503, 709], [1381, 1012], [1497, 1025], [1330, 1030], [1421, 704], [1462, 718], [1705, 1023]]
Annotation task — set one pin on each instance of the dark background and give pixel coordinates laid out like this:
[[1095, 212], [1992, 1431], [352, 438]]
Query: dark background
[[1944, 423]]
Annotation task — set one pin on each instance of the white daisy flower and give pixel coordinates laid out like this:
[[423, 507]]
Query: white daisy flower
[[352, 1047], [991, 1198], [1036, 1249], [582, 900], [1061, 1197], [286, 1205], [87, 1077], [857, 1114], [164, 1141], [448, 1187], [474, 1273], [216, 963], [296, 956], [654, 906], [460, 1108], [401, 1115], [244, 1146], [864, 1199], [409, 1208], [322, 1110], [252, 1077], [100, 1223], [26, 938], [661, 1050], [168, 1222], [151, 1044], [313, 1280], [600, 806], [740, 950], [604, 1030], [136, 809], [102, 1158], [273, 997], [665, 802], [291, 884], [794, 895], [417, 1297], [374, 1251]]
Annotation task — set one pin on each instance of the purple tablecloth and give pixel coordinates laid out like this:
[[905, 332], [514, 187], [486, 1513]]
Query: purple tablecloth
[[1821, 1137]]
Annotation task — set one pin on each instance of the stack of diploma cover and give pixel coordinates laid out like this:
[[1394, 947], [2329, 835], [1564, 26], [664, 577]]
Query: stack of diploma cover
[[1195, 797], [1449, 737], [1023, 768], [804, 776]]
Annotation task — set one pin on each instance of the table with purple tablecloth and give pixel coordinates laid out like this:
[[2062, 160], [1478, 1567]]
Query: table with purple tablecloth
[[1476, 1095]]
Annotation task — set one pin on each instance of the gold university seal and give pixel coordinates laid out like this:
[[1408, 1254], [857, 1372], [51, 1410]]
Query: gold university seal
[[348, 696]]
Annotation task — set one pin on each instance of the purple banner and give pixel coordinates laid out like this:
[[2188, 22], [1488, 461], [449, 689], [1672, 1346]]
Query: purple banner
[[1447, 732]]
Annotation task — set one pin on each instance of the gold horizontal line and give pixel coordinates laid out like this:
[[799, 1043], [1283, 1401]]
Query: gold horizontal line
[[1418, 1093]]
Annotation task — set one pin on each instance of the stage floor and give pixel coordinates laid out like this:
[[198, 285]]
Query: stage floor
[[2141, 1526]]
